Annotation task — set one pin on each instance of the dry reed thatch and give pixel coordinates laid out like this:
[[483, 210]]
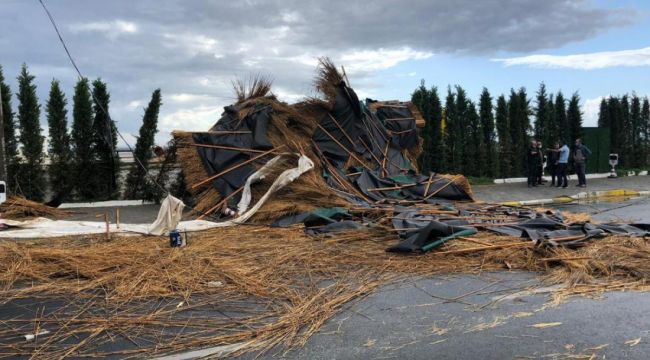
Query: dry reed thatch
[[17, 207], [257, 86], [274, 287], [327, 79], [290, 130]]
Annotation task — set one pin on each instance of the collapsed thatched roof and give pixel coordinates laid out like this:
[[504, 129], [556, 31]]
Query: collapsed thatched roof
[[354, 146]]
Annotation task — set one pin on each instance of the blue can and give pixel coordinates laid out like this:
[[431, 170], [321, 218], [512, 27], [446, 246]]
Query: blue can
[[175, 238]]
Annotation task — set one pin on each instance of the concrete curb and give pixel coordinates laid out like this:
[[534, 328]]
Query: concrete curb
[[579, 196], [570, 177], [110, 203]]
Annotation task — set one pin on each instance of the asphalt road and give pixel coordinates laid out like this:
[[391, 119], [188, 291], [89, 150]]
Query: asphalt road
[[487, 316], [520, 191], [417, 320]]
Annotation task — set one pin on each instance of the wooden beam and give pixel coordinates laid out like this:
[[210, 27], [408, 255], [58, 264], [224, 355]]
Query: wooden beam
[[223, 147], [233, 168], [343, 147], [220, 203]]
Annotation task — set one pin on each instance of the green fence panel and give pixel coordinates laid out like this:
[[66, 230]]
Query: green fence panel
[[598, 141]]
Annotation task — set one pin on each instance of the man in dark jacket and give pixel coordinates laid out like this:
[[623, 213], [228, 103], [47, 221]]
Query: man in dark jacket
[[552, 157], [580, 155], [540, 163], [532, 163]]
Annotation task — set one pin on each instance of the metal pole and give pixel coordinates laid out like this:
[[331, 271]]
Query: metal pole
[[3, 165]]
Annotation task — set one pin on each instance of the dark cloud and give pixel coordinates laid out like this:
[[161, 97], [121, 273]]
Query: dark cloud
[[192, 49]]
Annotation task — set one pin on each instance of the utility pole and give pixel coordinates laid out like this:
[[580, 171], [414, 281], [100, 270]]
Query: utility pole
[[3, 164]]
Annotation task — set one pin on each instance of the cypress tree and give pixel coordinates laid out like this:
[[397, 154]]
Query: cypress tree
[[513, 121], [30, 174], [156, 193], [82, 142], [487, 126], [11, 145], [475, 153], [437, 142], [459, 135], [574, 118], [626, 132], [645, 120], [524, 113], [503, 132], [603, 114], [636, 132], [59, 144], [614, 118], [541, 114], [449, 134], [104, 144], [561, 118], [137, 185], [553, 132], [420, 98]]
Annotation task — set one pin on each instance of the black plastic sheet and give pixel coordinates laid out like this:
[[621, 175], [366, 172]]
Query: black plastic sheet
[[230, 131]]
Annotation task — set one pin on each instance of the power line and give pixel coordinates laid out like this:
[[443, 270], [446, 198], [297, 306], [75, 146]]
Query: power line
[[74, 64], [56, 29]]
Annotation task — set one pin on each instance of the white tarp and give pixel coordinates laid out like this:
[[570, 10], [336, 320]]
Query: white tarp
[[167, 216], [44, 228]]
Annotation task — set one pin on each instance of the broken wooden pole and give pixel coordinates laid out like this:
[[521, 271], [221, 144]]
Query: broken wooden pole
[[234, 168]]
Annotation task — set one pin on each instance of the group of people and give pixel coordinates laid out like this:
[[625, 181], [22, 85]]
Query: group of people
[[557, 162]]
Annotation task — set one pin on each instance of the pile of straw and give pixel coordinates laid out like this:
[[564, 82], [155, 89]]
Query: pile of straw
[[290, 131], [17, 207], [264, 288]]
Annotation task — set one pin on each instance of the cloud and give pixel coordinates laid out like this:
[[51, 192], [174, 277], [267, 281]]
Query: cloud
[[135, 104], [589, 61], [193, 43], [381, 59], [184, 98], [192, 119], [110, 28], [591, 109], [193, 49]]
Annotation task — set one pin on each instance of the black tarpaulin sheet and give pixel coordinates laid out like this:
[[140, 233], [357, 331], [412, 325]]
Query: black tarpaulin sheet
[[419, 231], [248, 133], [375, 138], [371, 185], [626, 229], [351, 128], [321, 221], [415, 240], [318, 217], [545, 227], [341, 126], [400, 123]]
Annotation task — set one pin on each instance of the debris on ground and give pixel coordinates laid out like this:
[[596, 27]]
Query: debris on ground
[[334, 208], [17, 207]]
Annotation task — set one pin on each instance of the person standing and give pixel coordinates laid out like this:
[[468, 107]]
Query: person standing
[[580, 155], [552, 157], [532, 161], [540, 163], [562, 163]]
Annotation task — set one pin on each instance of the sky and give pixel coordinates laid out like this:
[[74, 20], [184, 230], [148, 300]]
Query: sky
[[194, 49]]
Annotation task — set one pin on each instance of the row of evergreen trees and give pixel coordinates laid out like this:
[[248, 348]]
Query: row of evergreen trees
[[83, 162], [488, 140], [628, 118]]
